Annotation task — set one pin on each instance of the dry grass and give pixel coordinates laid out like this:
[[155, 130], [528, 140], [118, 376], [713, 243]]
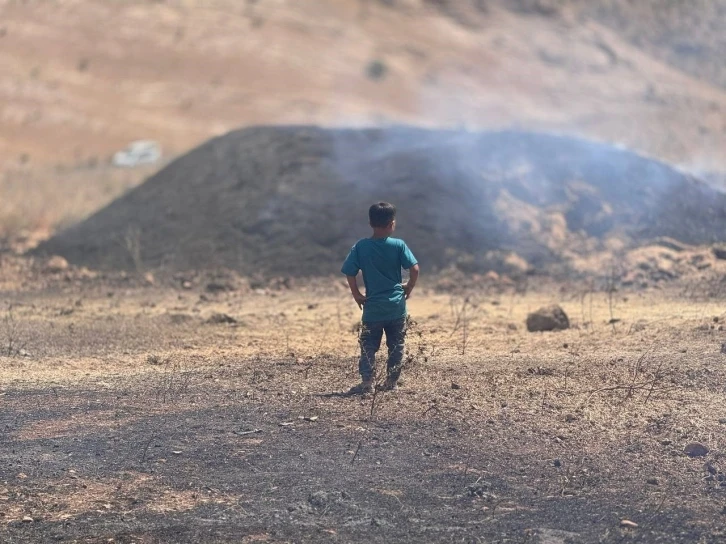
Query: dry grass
[[38, 201]]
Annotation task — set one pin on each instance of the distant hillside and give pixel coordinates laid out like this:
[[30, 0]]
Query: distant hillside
[[687, 34], [82, 79]]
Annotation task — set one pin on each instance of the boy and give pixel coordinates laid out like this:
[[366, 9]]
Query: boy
[[384, 304]]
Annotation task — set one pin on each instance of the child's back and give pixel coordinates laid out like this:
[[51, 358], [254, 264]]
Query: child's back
[[381, 259]]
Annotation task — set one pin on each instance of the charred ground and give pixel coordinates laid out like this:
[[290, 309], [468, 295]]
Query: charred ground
[[127, 416]]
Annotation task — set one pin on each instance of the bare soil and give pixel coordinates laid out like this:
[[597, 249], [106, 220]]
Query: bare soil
[[127, 417]]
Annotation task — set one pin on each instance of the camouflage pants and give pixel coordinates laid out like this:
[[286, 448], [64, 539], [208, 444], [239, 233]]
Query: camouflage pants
[[370, 341]]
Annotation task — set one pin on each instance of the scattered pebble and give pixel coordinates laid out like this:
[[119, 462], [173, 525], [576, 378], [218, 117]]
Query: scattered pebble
[[557, 463], [628, 523], [220, 318], [56, 264], [695, 449], [244, 433]]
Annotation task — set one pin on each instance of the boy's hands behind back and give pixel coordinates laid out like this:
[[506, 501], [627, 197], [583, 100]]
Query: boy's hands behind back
[[407, 288], [409, 285], [359, 299]]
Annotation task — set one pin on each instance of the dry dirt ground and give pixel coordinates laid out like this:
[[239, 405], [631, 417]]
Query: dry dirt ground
[[127, 417]]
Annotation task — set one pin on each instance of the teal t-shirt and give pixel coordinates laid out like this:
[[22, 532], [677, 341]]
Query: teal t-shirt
[[381, 260]]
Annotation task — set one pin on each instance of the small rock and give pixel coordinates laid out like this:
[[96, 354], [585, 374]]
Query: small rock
[[695, 449], [186, 285], [319, 499], [28, 519], [56, 264], [149, 278], [481, 490], [569, 418], [719, 252], [722, 421], [455, 386], [557, 463], [628, 523], [549, 318], [710, 468], [541, 371], [653, 481], [178, 319], [220, 318], [219, 287]]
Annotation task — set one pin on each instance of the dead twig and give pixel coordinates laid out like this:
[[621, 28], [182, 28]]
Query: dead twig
[[355, 455]]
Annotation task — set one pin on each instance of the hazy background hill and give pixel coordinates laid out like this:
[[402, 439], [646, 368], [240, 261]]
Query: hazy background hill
[[82, 78]]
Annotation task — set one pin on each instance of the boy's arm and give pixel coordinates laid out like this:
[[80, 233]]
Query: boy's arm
[[411, 283], [357, 295]]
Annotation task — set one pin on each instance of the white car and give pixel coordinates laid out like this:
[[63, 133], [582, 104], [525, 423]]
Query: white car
[[137, 153]]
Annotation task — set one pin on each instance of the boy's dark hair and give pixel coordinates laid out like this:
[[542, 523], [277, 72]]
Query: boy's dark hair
[[381, 214]]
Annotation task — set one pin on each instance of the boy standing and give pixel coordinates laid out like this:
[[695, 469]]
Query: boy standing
[[384, 304]]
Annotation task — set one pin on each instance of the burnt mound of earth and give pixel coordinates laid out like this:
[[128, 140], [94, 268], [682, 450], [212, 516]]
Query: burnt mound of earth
[[278, 201]]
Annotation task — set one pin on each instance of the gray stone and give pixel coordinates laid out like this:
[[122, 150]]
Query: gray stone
[[548, 318], [695, 449]]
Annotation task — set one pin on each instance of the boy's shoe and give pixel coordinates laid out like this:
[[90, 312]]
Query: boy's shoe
[[388, 385], [363, 388]]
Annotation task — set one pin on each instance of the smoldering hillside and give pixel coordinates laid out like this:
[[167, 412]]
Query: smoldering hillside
[[291, 201]]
